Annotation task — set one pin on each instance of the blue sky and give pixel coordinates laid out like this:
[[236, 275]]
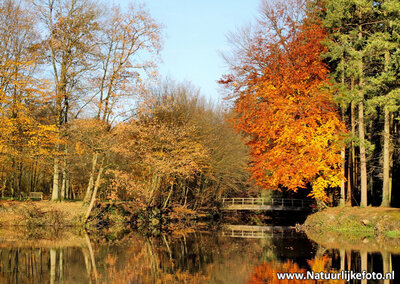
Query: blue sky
[[194, 33]]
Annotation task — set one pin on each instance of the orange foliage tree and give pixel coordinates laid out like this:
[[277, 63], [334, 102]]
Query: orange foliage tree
[[283, 101], [160, 155]]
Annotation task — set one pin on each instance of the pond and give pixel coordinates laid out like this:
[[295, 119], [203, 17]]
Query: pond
[[232, 254]]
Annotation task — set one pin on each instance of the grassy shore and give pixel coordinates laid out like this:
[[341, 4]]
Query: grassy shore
[[41, 213], [371, 228], [113, 215]]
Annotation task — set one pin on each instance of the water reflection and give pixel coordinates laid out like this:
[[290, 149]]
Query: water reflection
[[234, 255]]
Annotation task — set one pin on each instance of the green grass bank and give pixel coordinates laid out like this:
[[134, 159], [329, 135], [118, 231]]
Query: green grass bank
[[371, 228]]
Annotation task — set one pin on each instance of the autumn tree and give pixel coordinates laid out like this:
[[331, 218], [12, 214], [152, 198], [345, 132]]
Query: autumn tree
[[175, 152], [125, 37], [283, 101], [70, 29], [25, 136]]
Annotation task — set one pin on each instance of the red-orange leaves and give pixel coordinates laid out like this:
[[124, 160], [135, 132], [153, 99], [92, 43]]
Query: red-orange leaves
[[284, 104]]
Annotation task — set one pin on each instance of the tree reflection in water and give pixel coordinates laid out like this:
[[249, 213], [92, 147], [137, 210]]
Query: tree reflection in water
[[200, 257]]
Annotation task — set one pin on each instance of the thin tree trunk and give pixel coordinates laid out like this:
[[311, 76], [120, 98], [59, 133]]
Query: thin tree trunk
[[343, 155], [349, 177], [361, 133], [92, 259], [348, 256], [96, 187], [31, 178], [342, 253], [168, 197], [56, 175], [64, 175], [352, 158], [387, 264], [53, 259], [20, 166], [88, 266], [386, 160], [61, 266], [364, 264], [91, 179], [363, 159], [67, 188], [63, 185], [35, 174], [386, 194]]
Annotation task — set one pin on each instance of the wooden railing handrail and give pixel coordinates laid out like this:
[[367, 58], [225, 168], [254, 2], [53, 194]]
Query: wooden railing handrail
[[288, 202]]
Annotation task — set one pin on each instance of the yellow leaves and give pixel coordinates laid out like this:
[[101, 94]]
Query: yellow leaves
[[79, 148], [159, 152], [321, 183], [318, 189]]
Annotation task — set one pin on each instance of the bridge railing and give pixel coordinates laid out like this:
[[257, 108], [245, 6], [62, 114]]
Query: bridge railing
[[284, 202]]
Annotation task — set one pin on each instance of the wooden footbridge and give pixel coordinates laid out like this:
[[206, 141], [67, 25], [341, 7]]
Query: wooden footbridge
[[278, 204], [258, 232]]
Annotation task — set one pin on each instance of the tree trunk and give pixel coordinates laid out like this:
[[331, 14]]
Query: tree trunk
[[352, 158], [361, 131], [53, 259], [342, 253], [343, 183], [349, 177], [386, 161], [56, 175], [67, 188], [61, 266], [386, 194], [96, 187], [92, 259], [363, 159], [348, 256], [91, 179], [387, 264], [364, 264], [64, 175], [63, 184], [169, 196]]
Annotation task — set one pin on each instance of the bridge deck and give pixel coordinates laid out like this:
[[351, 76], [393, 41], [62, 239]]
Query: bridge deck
[[257, 232], [280, 204]]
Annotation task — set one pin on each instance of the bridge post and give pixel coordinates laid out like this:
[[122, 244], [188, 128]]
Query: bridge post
[[292, 203], [242, 201], [302, 203], [252, 201]]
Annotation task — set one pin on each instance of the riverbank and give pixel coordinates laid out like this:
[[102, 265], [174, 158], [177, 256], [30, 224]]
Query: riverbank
[[114, 216], [41, 213], [371, 228]]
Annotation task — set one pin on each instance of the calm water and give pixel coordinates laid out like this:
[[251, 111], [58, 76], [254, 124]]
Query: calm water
[[234, 255]]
